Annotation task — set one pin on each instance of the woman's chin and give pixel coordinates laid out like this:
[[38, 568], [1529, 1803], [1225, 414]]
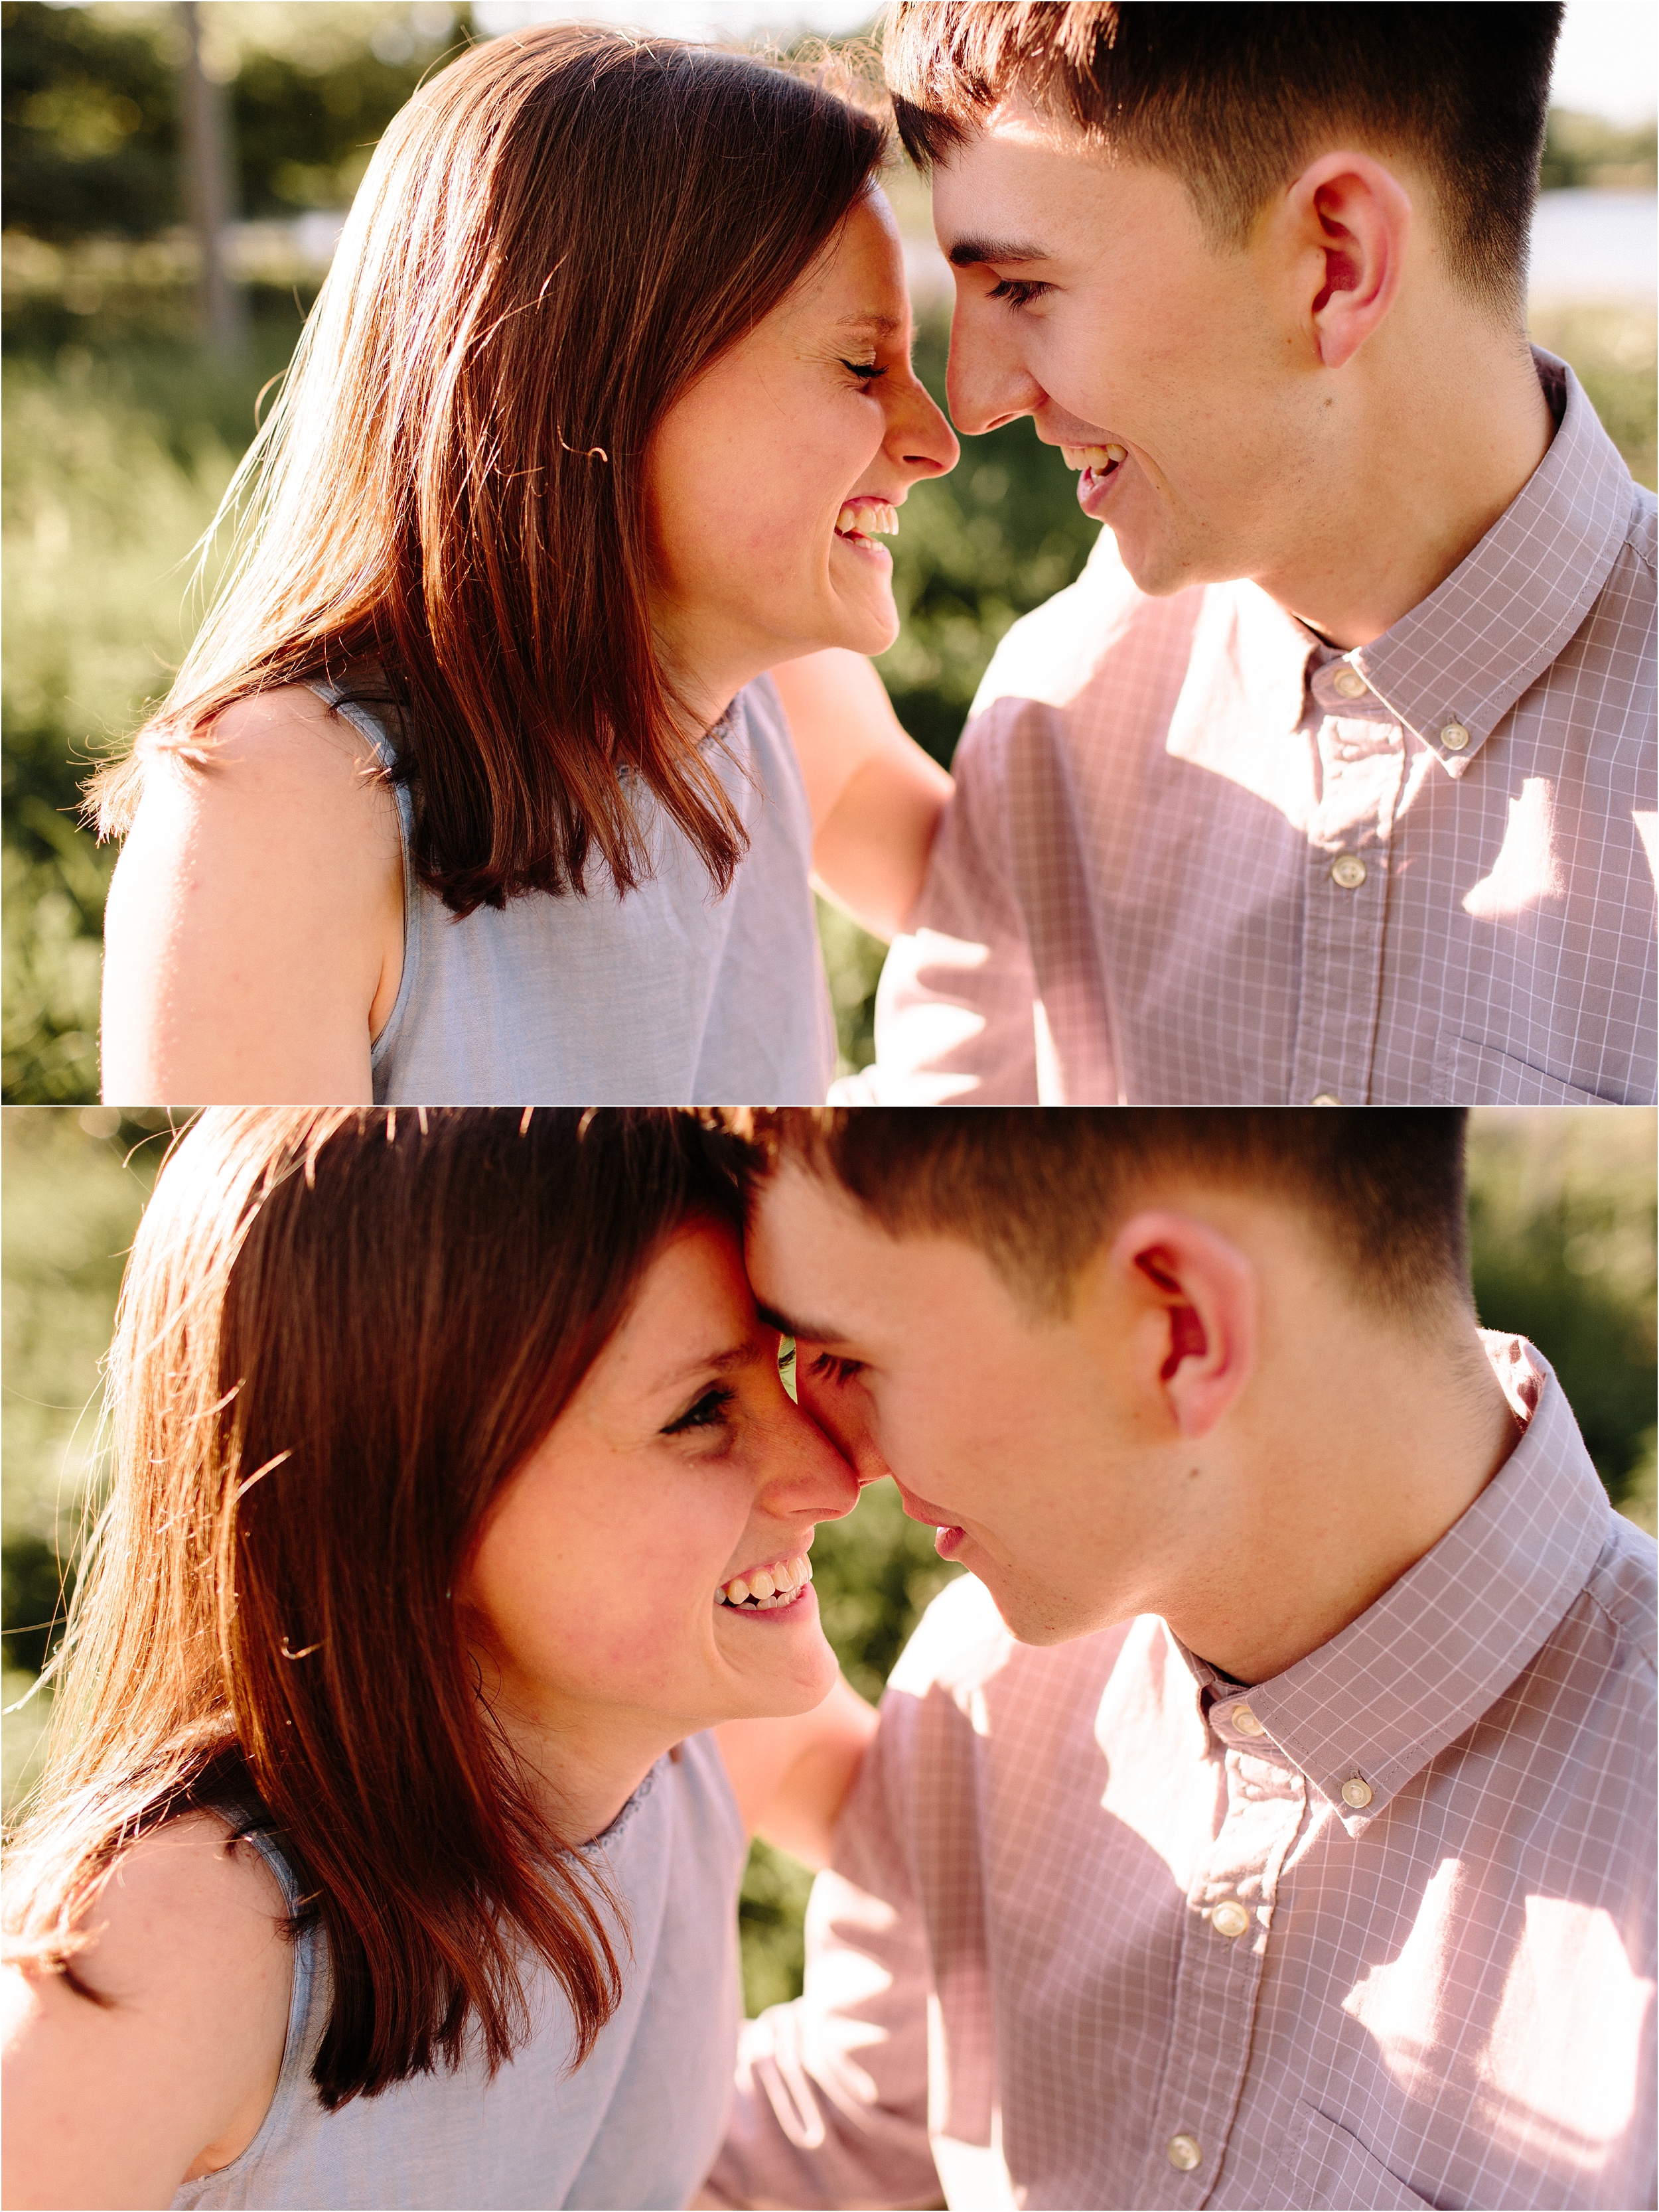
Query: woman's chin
[[868, 623], [786, 1661]]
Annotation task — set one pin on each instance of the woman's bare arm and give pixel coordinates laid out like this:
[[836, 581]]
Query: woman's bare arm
[[253, 938], [118, 2102], [791, 1777], [876, 797]]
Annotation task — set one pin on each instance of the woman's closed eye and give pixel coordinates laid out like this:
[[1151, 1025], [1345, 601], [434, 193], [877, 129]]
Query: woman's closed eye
[[709, 1412], [830, 1368], [866, 371]]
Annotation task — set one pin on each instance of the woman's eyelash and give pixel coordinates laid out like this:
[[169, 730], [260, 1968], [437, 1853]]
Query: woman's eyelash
[[829, 1369], [1018, 291], [866, 369], [709, 1412]]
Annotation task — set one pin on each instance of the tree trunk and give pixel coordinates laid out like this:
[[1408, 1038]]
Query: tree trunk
[[207, 163]]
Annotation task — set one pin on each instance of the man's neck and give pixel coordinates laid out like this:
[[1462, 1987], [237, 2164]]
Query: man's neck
[[1326, 1508], [1438, 441]]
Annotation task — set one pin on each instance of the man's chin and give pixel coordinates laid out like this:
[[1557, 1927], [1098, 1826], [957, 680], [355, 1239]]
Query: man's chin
[[1159, 567], [1038, 1616]]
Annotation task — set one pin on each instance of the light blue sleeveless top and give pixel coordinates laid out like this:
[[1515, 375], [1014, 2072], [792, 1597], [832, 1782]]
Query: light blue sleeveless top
[[637, 2125], [671, 996]]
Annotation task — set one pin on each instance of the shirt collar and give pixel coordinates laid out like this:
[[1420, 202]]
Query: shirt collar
[[1459, 660], [1418, 1668]]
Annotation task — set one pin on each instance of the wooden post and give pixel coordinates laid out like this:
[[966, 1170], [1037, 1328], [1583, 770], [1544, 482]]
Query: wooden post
[[207, 171]]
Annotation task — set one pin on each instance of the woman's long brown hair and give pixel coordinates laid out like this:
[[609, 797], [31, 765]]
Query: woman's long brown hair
[[341, 1331], [446, 511]]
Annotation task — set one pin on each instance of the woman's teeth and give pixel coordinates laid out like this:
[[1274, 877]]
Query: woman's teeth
[[767, 1588], [1097, 458], [864, 519]]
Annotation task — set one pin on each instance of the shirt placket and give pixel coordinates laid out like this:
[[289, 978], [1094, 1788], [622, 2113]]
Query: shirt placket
[[1224, 1946], [1344, 907]]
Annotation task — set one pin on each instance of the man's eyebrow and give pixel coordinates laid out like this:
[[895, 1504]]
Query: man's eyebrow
[[804, 1331], [969, 252]]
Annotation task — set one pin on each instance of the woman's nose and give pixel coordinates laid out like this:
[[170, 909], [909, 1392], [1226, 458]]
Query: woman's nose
[[810, 1475]]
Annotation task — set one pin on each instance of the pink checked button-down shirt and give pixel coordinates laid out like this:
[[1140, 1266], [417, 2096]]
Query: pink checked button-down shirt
[[1196, 856], [1104, 1929]]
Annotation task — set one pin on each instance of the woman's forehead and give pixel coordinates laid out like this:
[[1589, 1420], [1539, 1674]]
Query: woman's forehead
[[857, 281]]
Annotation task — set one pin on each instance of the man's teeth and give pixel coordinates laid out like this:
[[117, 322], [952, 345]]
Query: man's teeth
[[1097, 458], [767, 1588], [864, 519]]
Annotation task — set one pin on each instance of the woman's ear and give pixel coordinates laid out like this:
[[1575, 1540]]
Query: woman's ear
[[1193, 1297], [1348, 219]]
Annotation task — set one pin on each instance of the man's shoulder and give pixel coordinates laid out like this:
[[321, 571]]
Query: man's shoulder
[[1071, 641], [1643, 537], [1624, 1587]]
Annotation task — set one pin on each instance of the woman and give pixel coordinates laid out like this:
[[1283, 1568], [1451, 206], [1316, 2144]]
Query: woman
[[378, 1858], [471, 788]]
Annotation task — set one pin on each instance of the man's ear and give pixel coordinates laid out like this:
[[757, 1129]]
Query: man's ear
[[1193, 1297], [1348, 219]]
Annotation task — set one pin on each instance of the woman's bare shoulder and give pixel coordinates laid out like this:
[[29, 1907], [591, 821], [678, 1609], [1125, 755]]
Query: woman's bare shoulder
[[254, 929], [286, 741], [179, 2018]]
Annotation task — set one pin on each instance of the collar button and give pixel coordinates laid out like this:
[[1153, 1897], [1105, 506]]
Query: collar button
[[1454, 737]]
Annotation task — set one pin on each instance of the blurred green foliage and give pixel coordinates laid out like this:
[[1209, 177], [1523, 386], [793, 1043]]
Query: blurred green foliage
[[90, 105], [1561, 1230], [1586, 150]]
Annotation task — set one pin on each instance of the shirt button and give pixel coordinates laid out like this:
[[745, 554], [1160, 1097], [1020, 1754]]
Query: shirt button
[[1349, 683], [1184, 2153], [1326, 1098], [1230, 1919], [1356, 1793], [1454, 737], [1247, 1723], [1349, 871]]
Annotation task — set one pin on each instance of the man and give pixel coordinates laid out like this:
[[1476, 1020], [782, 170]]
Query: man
[[1332, 778], [1268, 1819]]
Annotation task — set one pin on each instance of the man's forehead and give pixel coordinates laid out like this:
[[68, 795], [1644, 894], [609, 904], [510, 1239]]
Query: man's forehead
[[1019, 178]]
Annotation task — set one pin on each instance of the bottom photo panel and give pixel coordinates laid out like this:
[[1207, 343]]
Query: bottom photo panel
[[638, 1657]]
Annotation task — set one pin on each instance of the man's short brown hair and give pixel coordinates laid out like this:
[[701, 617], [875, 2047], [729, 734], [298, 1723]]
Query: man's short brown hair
[[1236, 100], [1036, 1188]]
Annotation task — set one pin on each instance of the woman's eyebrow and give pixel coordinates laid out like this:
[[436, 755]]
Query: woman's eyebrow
[[722, 1362], [886, 325]]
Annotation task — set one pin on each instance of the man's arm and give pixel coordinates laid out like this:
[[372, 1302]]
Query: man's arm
[[876, 796], [791, 1777], [830, 2107], [956, 1012]]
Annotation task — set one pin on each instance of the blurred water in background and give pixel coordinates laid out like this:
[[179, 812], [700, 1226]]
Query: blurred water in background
[[1596, 246], [1586, 244]]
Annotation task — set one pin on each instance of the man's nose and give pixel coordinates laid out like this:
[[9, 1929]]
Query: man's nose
[[986, 381], [926, 443]]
